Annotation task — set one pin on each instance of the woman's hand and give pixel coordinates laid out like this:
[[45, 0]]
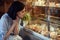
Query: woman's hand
[[16, 30]]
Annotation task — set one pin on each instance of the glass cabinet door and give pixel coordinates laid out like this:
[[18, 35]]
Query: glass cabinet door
[[54, 12], [45, 18]]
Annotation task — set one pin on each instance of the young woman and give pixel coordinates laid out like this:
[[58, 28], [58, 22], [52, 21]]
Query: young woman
[[10, 21]]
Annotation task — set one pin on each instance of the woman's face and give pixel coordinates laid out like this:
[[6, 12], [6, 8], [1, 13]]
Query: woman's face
[[21, 14]]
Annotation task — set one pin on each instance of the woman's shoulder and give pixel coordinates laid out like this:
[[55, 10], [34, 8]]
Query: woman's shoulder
[[3, 19], [5, 16]]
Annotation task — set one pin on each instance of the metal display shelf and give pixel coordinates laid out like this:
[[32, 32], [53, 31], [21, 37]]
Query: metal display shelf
[[37, 35]]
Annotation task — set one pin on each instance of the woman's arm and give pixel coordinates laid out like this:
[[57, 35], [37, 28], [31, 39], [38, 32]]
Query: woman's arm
[[8, 33], [10, 30], [14, 25]]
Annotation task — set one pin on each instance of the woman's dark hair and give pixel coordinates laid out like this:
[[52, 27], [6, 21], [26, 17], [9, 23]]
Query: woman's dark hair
[[14, 8]]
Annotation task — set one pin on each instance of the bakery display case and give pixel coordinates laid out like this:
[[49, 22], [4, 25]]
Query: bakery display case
[[45, 20]]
